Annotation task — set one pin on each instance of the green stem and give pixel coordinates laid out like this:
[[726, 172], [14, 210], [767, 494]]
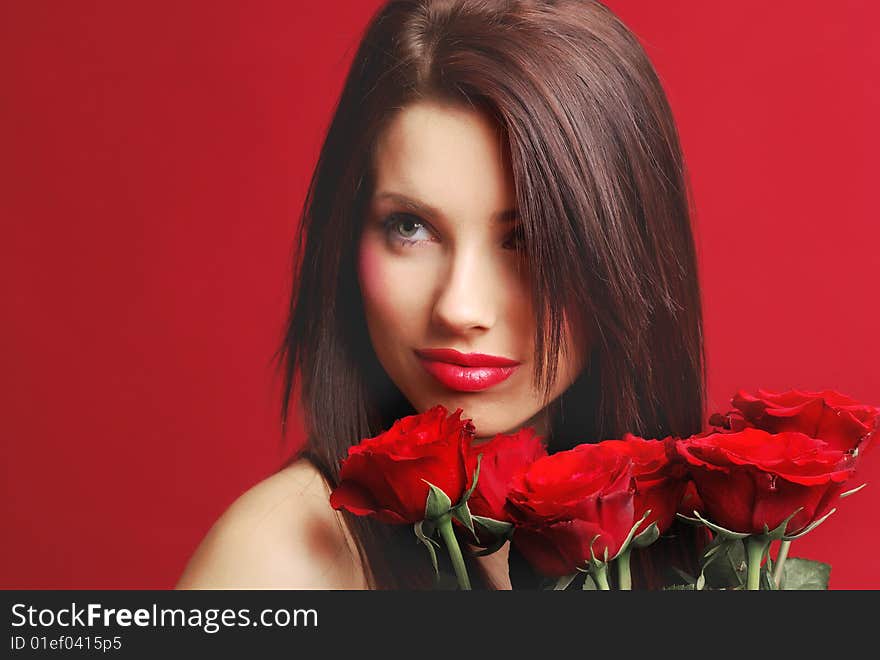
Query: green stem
[[600, 574], [444, 523], [780, 561], [624, 576], [755, 546]]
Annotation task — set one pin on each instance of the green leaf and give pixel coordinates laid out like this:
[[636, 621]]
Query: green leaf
[[593, 560], [437, 503], [692, 521], [716, 545], [589, 584], [724, 566], [492, 549], [495, 527], [428, 528], [765, 578], [428, 543], [768, 569], [767, 582], [853, 491], [689, 579], [562, 583], [805, 575], [779, 532], [629, 538], [809, 528], [647, 536], [502, 531], [470, 491], [712, 550], [463, 515], [595, 564], [720, 530]]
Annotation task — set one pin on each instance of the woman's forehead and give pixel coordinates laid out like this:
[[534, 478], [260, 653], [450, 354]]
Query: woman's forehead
[[442, 159]]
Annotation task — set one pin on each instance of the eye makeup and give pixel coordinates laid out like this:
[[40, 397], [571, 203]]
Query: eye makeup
[[401, 228], [393, 223]]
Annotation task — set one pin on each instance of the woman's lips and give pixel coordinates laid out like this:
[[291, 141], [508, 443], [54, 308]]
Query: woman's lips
[[474, 377]]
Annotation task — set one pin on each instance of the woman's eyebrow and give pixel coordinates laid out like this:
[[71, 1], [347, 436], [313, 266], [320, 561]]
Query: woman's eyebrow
[[502, 217]]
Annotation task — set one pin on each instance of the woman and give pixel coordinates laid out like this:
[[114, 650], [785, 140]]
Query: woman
[[501, 179]]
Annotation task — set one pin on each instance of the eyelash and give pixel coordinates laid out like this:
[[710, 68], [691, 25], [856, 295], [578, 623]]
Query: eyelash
[[392, 221]]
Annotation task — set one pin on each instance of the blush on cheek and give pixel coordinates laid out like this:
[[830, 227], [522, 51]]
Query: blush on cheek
[[384, 283], [369, 269]]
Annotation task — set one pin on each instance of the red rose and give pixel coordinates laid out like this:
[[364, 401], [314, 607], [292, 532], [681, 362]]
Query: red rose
[[751, 478], [660, 475], [565, 500], [504, 457], [690, 501], [842, 422], [384, 477]]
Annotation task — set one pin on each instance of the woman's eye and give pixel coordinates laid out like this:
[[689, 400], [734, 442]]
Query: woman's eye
[[515, 240], [404, 228]]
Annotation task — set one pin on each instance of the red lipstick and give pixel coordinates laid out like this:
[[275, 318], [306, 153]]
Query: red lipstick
[[466, 372]]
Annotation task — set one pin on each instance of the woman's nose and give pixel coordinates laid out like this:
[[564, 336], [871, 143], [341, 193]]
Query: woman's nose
[[468, 294]]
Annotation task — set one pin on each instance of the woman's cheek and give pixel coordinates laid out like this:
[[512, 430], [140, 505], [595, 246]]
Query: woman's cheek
[[395, 287], [515, 296]]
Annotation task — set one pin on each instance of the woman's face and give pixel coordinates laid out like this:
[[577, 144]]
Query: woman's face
[[439, 268]]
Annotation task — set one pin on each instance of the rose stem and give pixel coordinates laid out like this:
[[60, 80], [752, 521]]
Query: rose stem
[[601, 575], [780, 560], [755, 547], [624, 577], [446, 531]]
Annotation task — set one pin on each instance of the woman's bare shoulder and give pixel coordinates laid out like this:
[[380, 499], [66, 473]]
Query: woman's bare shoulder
[[280, 534]]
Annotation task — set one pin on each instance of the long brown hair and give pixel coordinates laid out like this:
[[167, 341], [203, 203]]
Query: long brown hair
[[602, 192]]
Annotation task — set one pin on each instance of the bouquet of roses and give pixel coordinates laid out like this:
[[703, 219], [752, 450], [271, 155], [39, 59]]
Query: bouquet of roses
[[770, 469]]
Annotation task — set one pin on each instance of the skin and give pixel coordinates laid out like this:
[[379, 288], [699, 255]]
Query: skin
[[450, 275], [459, 283]]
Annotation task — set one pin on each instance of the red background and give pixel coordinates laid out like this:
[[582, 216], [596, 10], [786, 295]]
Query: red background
[[155, 156]]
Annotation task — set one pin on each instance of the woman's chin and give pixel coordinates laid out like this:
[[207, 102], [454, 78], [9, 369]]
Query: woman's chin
[[489, 419], [488, 427]]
